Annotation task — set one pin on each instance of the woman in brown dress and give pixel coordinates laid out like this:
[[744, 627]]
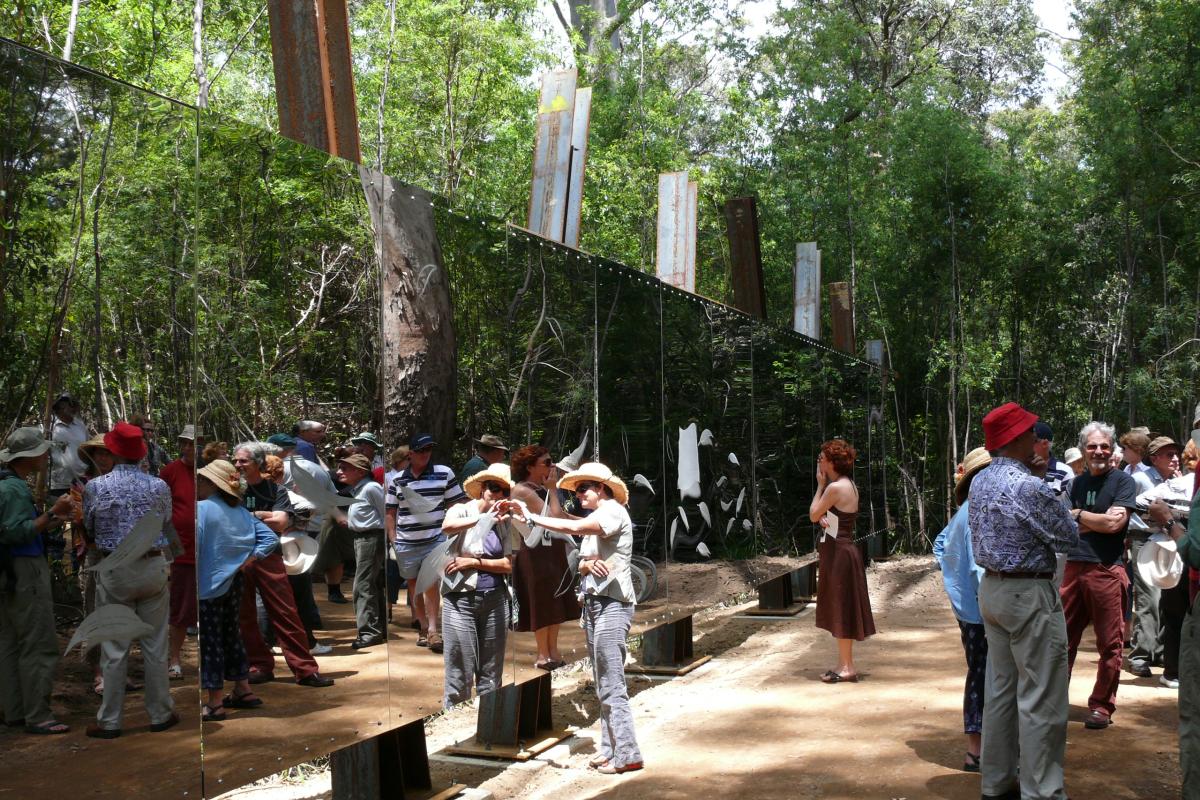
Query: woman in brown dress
[[843, 605], [544, 597]]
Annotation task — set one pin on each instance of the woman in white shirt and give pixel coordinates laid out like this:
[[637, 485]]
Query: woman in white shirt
[[606, 592]]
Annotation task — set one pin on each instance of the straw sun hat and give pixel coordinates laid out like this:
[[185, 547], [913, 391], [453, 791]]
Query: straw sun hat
[[976, 460], [598, 473], [497, 473], [224, 476]]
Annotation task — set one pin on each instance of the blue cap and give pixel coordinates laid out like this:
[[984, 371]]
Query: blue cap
[[420, 441], [281, 440], [1042, 430]]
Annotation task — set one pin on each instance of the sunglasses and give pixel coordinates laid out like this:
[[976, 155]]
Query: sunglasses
[[428, 449], [545, 462], [243, 461], [495, 488], [586, 486]]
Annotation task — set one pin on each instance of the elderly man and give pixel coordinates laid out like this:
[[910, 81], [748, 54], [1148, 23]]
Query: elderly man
[[417, 500], [67, 433], [312, 518], [268, 501], [1017, 526], [1095, 582], [369, 445], [309, 435], [365, 520], [1057, 473], [28, 645], [1149, 636], [112, 505], [180, 477], [489, 450], [156, 457]]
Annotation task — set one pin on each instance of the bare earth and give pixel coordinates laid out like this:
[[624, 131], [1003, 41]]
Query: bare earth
[[756, 720]]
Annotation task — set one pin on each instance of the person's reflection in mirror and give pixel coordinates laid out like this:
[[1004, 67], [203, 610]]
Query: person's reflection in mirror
[[398, 462], [112, 505], [608, 599], [28, 645], [417, 500], [156, 457], [365, 520], [99, 462], [538, 571], [179, 476], [269, 502], [843, 605], [228, 540], [306, 604], [309, 435], [475, 607]]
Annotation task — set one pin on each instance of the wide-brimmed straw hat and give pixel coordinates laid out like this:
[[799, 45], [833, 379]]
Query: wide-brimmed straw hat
[[299, 552], [598, 473], [495, 473], [95, 443], [224, 476], [24, 443], [1159, 562], [976, 460]]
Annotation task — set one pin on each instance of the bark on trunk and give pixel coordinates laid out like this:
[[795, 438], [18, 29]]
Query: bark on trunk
[[417, 341]]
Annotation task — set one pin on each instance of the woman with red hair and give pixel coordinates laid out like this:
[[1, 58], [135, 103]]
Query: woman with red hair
[[843, 605]]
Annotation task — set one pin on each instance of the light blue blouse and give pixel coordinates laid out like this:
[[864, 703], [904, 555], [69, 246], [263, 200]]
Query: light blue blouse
[[960, 573], [225, 537]]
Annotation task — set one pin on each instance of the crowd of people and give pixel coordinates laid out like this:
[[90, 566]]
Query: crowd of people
[[1039, 551], [228, 543]]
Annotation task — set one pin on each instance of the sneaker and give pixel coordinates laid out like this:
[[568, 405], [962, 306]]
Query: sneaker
[[1097, 720], [1140, 670], [338, 598], [1170, 683], [319, 649]]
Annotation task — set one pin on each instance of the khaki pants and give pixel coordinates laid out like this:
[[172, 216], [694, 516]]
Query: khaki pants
[[1189, 704], [1025, 709], [28, 645], [142, 586]]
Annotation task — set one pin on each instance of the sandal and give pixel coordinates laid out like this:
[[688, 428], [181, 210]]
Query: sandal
[[832, 677], [50, 727], [971, 764], [248, 700], [212, 713], [175, 672]]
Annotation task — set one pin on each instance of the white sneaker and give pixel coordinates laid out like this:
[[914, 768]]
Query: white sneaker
[[277, 650], [320, 649], [1170, 683]]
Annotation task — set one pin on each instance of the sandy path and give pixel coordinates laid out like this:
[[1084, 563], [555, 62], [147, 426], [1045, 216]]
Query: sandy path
[[757, 722]]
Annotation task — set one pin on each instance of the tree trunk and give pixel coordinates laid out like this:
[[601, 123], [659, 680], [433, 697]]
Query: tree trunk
[[418, 350]]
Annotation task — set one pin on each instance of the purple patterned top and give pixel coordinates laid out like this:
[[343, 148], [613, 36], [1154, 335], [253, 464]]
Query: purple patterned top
[[113, 503], [1017, 523]]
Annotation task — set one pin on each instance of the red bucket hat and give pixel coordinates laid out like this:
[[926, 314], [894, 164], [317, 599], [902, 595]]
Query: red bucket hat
[[126, 441], [1003, 424]]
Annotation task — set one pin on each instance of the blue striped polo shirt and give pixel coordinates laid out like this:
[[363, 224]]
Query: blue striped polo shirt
[[421, 501]]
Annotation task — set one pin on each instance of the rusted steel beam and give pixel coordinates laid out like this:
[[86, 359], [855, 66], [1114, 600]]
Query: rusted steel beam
[[552, 154], [841, 314], [806, 299], [314, 79], [745, 256]]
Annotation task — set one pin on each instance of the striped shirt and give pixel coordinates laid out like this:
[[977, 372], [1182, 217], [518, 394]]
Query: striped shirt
[[421, 502], [1058, 475]]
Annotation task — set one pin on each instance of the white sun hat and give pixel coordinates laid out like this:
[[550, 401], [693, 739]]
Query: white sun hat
[[1159, 563], [299, 551]]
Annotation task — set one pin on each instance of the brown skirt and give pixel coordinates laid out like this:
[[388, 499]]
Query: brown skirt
[[538, 573], [843, 605]]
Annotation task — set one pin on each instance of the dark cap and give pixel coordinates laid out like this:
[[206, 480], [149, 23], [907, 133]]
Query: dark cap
[[65, 398], [358, 461], [1163, 442], [281, 440], [1042, 430], [420, 441]]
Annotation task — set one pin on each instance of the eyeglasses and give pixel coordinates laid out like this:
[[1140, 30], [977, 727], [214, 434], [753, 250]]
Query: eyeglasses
[[495, 488], [586, 486], [243, 461]]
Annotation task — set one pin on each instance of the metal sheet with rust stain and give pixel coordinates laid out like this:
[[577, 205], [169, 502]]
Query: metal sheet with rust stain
[[552, 154], [841, 316], [580, 125], [806, 299], [675, 230], [745, 256]]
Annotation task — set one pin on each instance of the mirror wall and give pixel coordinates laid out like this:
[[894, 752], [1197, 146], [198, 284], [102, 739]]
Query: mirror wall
[[97, 293]]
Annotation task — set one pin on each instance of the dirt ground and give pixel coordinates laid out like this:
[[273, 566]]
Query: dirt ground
[[757, 721]]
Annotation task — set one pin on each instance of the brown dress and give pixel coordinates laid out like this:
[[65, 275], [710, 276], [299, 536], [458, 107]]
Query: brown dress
[[538, 574], [843, 605]]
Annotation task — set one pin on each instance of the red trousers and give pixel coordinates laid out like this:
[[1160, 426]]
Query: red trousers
[[1095, 594], [268, 578]]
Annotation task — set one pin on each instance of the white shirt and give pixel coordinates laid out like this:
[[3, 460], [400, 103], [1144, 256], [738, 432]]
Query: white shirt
[[615, 547]]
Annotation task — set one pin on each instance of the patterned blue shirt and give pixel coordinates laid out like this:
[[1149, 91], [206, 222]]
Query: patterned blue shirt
[[113, 503], [1017, 524]]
